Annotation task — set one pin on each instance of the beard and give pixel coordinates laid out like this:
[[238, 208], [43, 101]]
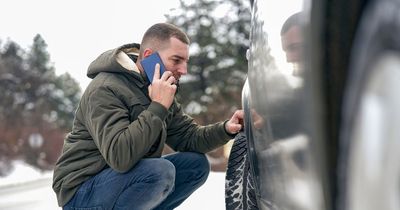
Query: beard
[[177, 86]]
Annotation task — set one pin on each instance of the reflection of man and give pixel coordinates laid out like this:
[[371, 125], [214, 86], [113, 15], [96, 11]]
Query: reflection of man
[[292, 42], [292, 45]]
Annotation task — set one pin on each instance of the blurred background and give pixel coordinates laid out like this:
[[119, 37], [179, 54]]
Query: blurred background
[[46, 47]]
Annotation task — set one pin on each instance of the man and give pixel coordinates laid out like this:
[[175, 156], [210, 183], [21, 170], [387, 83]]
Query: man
[[292, 42], [112, 157]]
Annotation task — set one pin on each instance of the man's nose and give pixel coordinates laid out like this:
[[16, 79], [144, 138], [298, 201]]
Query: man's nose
[[183, 69]]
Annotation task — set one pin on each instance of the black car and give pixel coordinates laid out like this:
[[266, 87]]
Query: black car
[[322, 108]]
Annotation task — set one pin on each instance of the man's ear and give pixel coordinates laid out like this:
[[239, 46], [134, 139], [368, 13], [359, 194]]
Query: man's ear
[[147, 52]]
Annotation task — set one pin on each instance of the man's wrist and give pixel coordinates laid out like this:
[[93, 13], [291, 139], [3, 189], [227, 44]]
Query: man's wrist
[[226, 131]]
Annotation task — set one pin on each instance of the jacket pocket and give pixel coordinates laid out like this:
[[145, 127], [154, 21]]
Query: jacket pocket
[[137, 106]]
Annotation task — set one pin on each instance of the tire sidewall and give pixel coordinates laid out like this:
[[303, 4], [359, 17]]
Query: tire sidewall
[[377, 35]]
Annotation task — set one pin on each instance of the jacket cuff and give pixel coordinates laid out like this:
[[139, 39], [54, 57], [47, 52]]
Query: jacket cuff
[[230, 135], [158, 109]]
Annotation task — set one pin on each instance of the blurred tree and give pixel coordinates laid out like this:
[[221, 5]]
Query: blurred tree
[[53, 99], [219, 33], [10, 110], [37, 106]]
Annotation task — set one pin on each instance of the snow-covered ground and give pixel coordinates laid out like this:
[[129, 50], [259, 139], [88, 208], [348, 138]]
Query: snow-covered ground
[[27, 188]]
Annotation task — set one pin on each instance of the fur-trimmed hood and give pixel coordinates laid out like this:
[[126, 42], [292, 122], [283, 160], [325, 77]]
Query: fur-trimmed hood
[[121, 59]]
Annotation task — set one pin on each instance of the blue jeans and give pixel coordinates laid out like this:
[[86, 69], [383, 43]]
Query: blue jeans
[[154, 183]]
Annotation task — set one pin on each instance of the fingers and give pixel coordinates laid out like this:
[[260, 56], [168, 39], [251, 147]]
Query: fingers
[[237, 128], [156, 72], [233, 128], [168, 76], [235, 124], [239, 114], [163, 87], [150, 90], [174, 87], [171, 80]]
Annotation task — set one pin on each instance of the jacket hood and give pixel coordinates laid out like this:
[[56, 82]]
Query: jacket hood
[[119, 60]]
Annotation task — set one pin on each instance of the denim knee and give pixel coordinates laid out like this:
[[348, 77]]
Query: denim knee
[[164, 171], [204, 165], [201, 164]]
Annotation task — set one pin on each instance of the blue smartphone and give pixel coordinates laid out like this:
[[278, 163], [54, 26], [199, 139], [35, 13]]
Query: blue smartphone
[[149, 65]]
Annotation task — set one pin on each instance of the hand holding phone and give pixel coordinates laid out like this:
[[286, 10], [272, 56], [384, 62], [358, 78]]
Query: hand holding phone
[[149, 64], [162, 91]]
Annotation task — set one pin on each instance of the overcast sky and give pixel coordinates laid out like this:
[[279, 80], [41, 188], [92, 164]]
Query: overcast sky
[[77, 31]]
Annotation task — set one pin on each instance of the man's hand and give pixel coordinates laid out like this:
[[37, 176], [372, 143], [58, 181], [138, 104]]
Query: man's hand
[[235, 124], [258, 121], [163, 89]]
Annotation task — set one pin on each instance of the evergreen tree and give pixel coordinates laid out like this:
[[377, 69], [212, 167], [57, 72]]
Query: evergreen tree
[[10, 100], [10, 103], [56, 97], [219, 33], [35, 103]]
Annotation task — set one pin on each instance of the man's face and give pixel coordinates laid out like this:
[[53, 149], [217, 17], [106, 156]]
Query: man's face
[[175, 57], [292, 44]]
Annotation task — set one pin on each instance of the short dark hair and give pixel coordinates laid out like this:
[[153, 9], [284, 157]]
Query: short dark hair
[[157, 36], [293, 20]]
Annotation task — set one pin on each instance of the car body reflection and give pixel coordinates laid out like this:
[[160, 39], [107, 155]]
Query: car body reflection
[[279, 145]]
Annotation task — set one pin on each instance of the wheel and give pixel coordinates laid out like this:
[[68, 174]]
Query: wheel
[[239, 183], [370, 135], [332, 30]]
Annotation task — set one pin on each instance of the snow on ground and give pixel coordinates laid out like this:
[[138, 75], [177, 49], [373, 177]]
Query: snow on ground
[[210, 196], [22, 173], [28, 188]]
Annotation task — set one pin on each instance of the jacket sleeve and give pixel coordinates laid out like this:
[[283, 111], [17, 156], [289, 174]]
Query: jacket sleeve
[[186, 135], [122, 143]]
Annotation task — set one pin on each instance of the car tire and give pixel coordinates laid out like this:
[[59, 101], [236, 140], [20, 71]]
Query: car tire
[[239, 183], [376, 42]]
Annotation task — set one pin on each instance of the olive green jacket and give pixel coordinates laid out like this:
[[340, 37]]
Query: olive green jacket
[[116, 124]]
